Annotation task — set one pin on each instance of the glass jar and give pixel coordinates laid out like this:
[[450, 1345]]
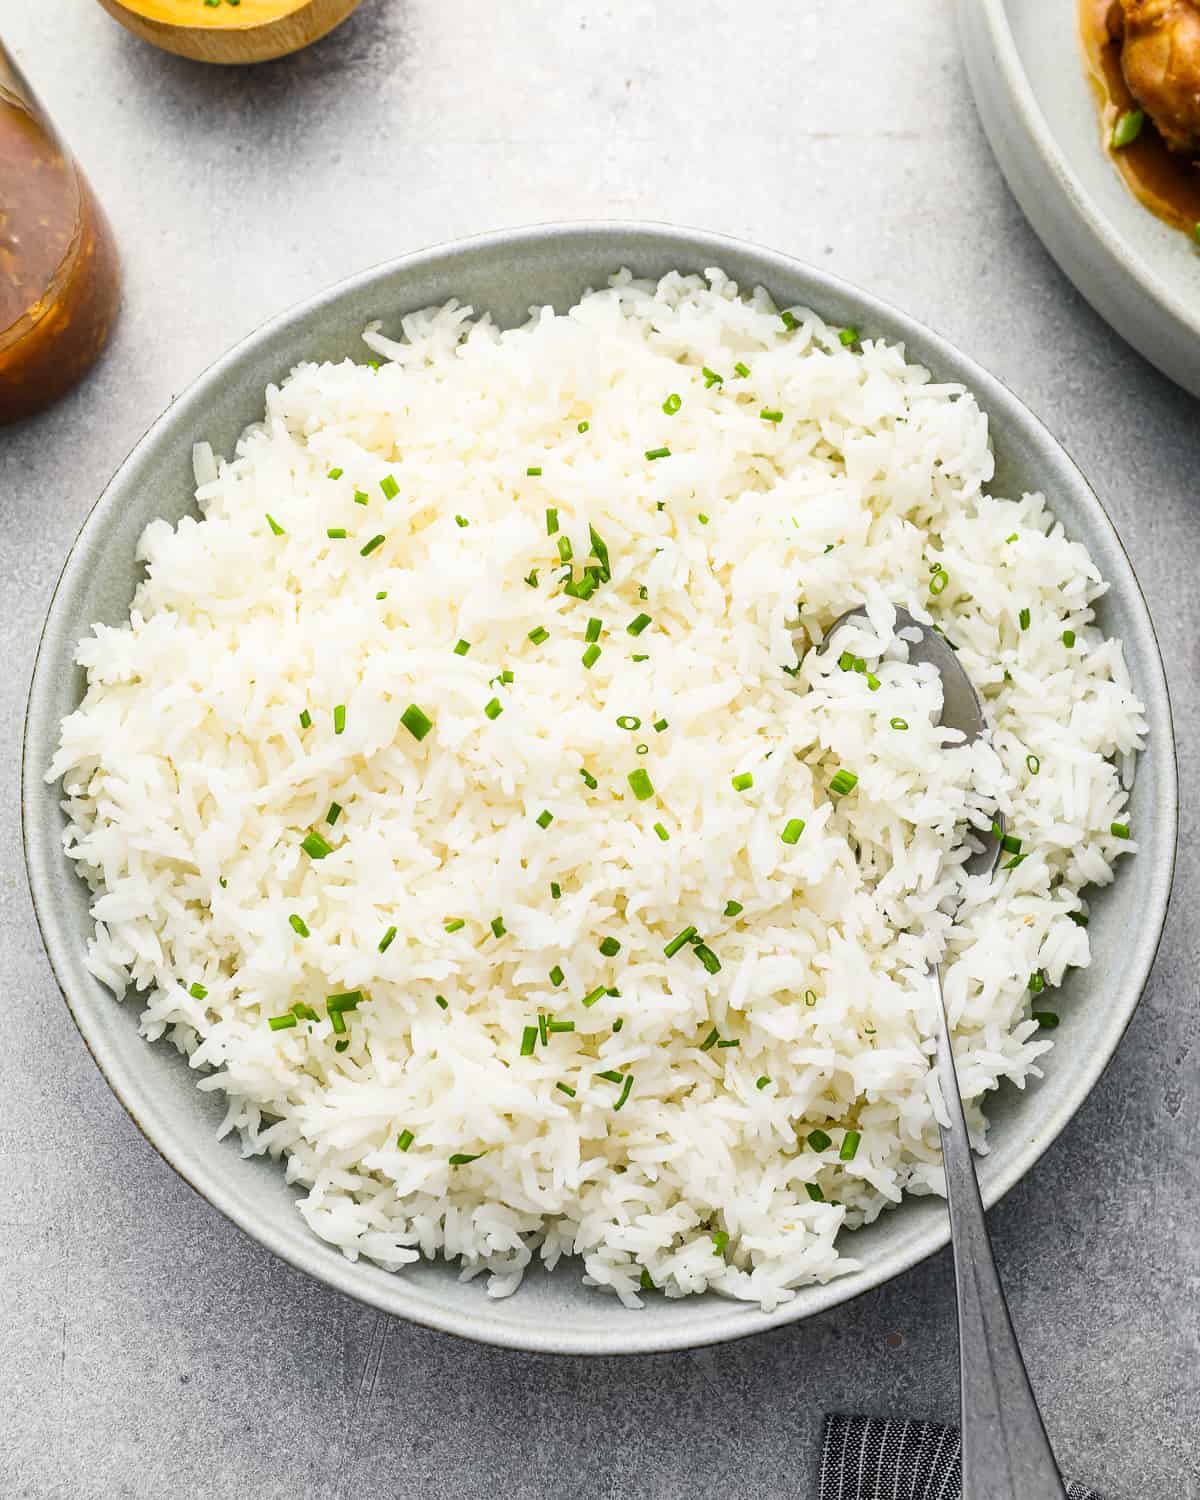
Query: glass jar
[[59, 279]]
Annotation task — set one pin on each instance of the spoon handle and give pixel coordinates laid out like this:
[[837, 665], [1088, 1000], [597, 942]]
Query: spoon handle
[[1006, 1454]]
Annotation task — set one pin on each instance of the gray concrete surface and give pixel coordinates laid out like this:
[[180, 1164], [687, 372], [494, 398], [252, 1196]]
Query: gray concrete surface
[[146, 1348]]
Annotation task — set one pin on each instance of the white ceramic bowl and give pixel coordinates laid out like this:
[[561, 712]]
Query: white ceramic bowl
[[507, 273], [1026, 67]]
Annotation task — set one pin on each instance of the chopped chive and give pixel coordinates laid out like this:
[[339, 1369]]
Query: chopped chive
[[1079, 918], [629, 721], [1013, 537], [334, 474], [640, 784], [642, 749], [461, 648], [339, 718], [416, 721], [197, 991], [741, 369], [1120, 830], [382, 594], [711, 377], [282, 1023], [454, 924], [551, 520], [583, 427], [389, 487], [728, 1041], [790, 321], [443, 1003], [337, 1021], [653, 453], [938, 580], [1024, 617], [848, 336], [846, 661], [565, 1088], [461, 521], [373, 545], [305, 718], [810, 998], [538, 635], [672, 404], [710, 1040], [534, 471], [628, 1085], [662, 832], [720, 1241], [843, 783], [493, 709], [591, 656], [1068, 638], [792, 830], [405, 1139], [1127, 128], [361, 497], [556, 976], [555, 890], [544, 818], [761, 1083], [639, 658], [298, 925], [304, 1012], [599, 550], [771, 416], [610, 947], [819, 1141], [498, 927], [1046, 1019], [646, 1281], [678, 941], [529, 1039], [589, 780], [1008, 842], [461, 1158], [336, 533], [386, 941], [638, 624], [813, 1189], [315, 846], [610, 1075], [594, 627], [743, 781], [1018, 859], [732, 908], [565, 551], [708, 958], [531, 578], [276, 528], [899, 723], [334, 813], [593, 995], [1037, 982], [660, 725], [554, 1027], [346, 1000], [850, 1145], [617, 1024], [1034, 764]]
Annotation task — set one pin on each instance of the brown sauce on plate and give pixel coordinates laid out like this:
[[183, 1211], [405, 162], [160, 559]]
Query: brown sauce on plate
[[59, 284], [1167, 182]]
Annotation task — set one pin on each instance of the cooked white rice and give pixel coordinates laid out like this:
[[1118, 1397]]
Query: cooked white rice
[[191, 782]]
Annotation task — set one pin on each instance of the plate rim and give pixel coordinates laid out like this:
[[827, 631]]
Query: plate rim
[[737, 1319]]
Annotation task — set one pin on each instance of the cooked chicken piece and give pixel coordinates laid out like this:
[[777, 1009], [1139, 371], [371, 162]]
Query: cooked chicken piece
[[1160, 58]]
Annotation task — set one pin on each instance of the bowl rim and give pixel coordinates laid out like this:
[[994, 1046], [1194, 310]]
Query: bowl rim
[[1120, 257], [739, 1319]]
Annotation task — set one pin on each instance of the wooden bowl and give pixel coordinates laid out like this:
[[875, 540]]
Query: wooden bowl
[[248, 32]]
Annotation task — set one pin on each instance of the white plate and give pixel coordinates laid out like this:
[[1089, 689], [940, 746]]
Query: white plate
[[1027, 71]]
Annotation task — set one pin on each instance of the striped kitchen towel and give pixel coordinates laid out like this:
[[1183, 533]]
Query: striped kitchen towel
[[875, 1458]]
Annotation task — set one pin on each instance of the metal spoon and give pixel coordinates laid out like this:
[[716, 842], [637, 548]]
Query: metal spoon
[[1006, 1454]]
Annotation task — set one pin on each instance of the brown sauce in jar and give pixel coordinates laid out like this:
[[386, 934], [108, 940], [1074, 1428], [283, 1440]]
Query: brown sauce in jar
[[59, 281], [1166, 181]]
